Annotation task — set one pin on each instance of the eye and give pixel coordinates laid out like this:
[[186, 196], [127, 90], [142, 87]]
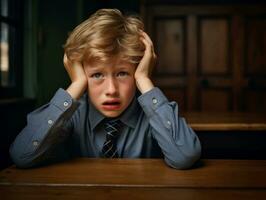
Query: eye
[[97, 75], [122, 74]]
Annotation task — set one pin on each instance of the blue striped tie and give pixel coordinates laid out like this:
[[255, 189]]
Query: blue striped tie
[[109, 149]]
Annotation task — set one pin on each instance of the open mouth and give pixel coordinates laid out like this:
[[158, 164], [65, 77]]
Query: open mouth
[[111, 105]]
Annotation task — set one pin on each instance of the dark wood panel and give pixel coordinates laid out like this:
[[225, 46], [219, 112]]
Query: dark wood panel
[[214, 43], [170, 42], [178, 95], [254, 100], [224, 47], [255, 51], [215, 99]]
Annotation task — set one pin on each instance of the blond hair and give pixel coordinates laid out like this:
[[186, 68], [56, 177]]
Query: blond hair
[[104, 35]]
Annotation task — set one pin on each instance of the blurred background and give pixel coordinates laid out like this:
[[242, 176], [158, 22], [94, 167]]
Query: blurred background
[[211, 59]]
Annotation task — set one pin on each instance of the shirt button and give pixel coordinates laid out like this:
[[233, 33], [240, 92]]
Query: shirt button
[[35, 143], [65, 103], [154, 101], [50, 122], [169, 123]]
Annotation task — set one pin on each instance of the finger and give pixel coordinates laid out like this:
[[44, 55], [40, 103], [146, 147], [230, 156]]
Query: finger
[[149, 41], [66, 61], [148, 47], [147, 37], [65, 57]]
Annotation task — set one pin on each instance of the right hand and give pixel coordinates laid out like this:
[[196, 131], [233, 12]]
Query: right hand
[[78, 78], [75, 70]]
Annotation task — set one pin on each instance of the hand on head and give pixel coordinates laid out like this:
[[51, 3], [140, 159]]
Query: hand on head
[[78, 77], [146, 65]]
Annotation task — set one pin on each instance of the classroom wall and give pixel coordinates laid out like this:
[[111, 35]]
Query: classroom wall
[[55, 20]]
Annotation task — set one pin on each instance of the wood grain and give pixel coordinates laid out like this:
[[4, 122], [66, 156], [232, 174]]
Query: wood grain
[[136, 178], [226, 121]]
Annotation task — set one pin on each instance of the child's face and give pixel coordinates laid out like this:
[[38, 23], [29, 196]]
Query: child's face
[[111, 85]]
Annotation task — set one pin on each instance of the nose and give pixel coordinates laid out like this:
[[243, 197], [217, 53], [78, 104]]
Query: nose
[[111, 87]]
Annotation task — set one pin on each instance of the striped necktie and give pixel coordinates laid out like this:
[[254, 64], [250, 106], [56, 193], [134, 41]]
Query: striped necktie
[[109, 149]]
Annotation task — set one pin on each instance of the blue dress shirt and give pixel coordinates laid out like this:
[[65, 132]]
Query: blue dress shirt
[[65, 128]]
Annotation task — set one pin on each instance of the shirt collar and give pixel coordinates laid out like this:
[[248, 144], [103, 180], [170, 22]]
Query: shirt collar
[[129, 117]]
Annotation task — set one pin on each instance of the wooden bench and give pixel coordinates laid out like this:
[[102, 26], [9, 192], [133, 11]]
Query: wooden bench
[[230, 135], [230, 121]]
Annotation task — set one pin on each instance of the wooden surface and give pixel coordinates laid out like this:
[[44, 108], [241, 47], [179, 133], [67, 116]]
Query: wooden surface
[[136, 179], [208, 56], [219, 121]]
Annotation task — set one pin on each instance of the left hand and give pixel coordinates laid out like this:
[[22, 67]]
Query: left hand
[[146, 65]]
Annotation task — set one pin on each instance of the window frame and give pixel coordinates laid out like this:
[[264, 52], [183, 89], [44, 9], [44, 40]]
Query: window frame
[[14, 20]]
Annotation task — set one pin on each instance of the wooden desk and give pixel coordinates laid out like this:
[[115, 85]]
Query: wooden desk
[[231, 121], [136, 179]]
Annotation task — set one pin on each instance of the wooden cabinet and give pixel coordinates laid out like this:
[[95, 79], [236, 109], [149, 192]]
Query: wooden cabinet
[[210, 58]]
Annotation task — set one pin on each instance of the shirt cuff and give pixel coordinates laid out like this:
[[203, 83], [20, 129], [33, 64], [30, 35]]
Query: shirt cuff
[[152, 100], [63, 100]]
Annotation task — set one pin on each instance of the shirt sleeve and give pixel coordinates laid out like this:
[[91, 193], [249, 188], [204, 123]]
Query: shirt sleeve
[[178, 142], [47, 128]]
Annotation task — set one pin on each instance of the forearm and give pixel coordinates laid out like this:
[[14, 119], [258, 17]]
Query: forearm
[[76, 89], [178, 142], [144, 84], [46, 128]]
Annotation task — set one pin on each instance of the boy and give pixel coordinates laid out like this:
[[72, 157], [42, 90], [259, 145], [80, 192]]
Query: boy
[[110, 56]]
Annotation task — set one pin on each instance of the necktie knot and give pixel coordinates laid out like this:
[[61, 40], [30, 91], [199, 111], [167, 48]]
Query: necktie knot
[[112, 128]]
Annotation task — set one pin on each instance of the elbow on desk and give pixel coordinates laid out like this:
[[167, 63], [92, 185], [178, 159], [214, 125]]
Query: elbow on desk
[[184, 161], [22, 163], [18, 159]]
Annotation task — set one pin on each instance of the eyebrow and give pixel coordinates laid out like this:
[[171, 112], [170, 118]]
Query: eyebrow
[[94, 68]]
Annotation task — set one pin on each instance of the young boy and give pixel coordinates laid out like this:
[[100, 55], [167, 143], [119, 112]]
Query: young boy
[[111, 108]]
